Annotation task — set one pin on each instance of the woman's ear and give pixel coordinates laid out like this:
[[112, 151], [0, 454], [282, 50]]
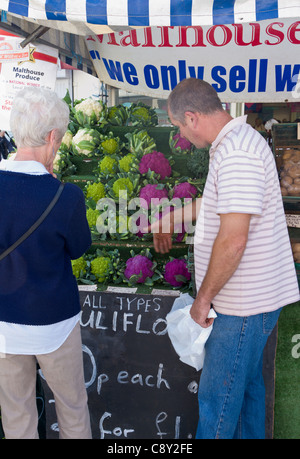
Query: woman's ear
[[50, 137], [53, 137]]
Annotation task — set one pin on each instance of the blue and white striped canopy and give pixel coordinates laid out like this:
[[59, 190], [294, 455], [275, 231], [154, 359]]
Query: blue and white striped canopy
[[134, 13]]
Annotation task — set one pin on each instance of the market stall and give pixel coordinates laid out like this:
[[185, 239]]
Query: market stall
[[151, 60]]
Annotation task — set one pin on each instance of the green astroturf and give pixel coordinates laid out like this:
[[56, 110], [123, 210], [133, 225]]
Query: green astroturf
[[287, 379]]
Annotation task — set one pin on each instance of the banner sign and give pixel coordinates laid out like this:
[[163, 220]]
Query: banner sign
[[38, 70], [250, 62]]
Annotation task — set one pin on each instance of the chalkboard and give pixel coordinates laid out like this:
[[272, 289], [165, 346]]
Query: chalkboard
[[137, 386]]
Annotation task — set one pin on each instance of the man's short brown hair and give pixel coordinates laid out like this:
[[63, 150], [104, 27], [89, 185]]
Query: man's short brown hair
[[193, 95]]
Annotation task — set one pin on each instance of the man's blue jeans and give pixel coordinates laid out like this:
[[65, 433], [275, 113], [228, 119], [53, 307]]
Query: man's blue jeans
[[231, 390]]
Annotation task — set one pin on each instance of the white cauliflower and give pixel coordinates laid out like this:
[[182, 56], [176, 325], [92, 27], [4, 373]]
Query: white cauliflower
[[67, 139], [56, 161], [85, 141], [63, 165], [90, 111]]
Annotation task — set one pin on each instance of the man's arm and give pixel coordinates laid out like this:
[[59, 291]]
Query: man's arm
[[226, 255], [164, 228]]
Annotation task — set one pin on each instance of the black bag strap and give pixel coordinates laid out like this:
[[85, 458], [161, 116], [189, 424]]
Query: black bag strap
[[35, 225]]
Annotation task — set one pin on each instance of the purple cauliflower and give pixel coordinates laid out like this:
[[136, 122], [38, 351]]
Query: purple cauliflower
[[156, 162], [152, 191], [180, 235], [139, 226], [142, 222], [184, 190], [179, 144], [176, 272], [139, 265], [182, 142]]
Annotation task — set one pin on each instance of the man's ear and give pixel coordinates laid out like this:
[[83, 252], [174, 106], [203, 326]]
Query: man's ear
[[191, 119]]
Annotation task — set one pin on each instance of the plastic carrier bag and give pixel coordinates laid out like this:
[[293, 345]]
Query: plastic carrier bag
[[187, 337]]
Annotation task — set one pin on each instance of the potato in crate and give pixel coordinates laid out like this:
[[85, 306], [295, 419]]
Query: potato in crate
[[289, 172]]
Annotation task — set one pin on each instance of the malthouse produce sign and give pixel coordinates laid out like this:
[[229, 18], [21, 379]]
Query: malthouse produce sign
[[37, 69], [252, 62]]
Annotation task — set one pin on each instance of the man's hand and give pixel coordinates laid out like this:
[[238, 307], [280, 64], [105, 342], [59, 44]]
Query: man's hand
[[162, 240], [163, 229], [199, 312]]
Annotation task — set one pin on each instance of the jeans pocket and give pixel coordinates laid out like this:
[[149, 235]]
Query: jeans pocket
[[269, 321]]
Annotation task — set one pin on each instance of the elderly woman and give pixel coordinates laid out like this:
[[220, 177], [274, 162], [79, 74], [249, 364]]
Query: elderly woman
[[39, 300]]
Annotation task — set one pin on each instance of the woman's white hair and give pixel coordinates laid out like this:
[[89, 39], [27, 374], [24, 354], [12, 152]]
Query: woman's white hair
[[35, 113]]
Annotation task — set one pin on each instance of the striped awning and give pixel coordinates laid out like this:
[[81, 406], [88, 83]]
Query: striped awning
[[103, 14]]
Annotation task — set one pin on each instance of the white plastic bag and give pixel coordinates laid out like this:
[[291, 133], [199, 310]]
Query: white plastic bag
[[187, 337]]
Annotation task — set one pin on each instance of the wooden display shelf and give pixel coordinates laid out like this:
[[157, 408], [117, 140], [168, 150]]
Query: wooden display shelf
[[125, 246]]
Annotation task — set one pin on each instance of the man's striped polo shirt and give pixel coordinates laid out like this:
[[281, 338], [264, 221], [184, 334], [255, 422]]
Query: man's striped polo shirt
[[243, 178]]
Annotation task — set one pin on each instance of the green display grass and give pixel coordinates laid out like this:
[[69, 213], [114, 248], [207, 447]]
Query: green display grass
[[287, 379]]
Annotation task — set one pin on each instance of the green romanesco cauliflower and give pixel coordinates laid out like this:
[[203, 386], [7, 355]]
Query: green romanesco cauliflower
[[89, 112], [139, 142], [85, 141], [125, 163], [108, 165], [117, 115], [92, 216], [78, 267], [109, 146], [95, 191], [121, 186], [142, 115], [100, 267]]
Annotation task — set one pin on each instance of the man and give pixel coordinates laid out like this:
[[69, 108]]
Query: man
[[244, 267], [259, 125]]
